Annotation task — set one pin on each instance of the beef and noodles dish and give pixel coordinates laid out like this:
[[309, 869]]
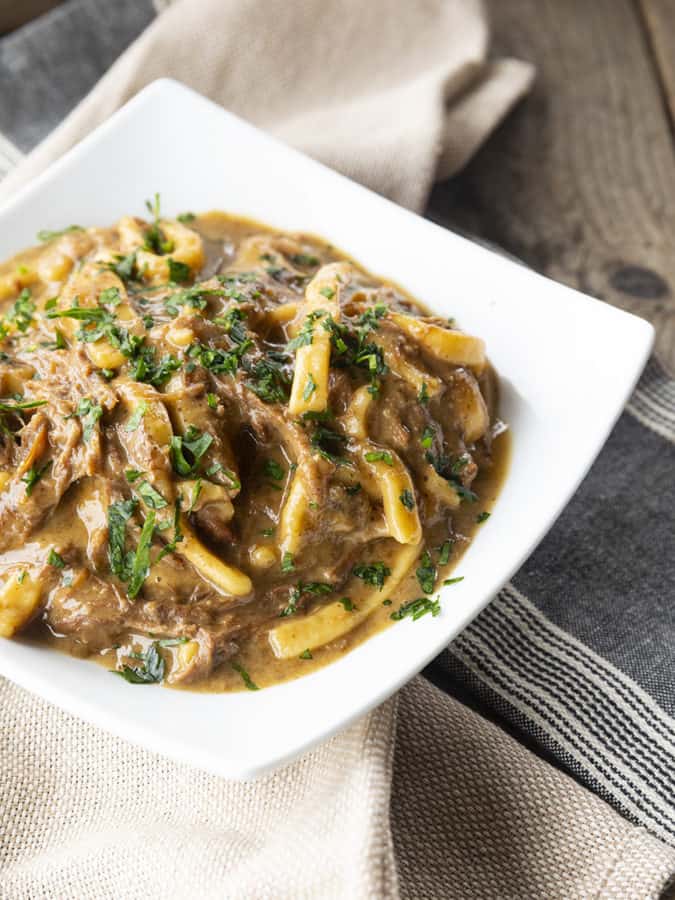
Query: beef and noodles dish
[[228, 454]]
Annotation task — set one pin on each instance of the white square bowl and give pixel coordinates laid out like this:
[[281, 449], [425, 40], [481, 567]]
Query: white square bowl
[[567, 363]]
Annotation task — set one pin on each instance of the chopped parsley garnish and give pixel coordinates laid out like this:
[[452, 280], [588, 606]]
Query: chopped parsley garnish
[[371, 317], [196, 491], [428, 436], [124, 267], [133, 475], [310, 387], [194, 297], [460, 463], [173, 642], [347, 604], [304, 259], [373, 573], [136, 417], [407, 499], [464, 493], [273, 470], [99, 322], [59, 342], [177, 533], [317, 415], [423, 395], [450, 470], [90, 413], [482, 517], [444, 553], [329, 445], [187, 451], [179, 272], [140, 564], [287, 563], [151, 669], [353, 489], [234, 324], [415, 609], [306, 334], [235, 484], [380, 456], [449, 581], [352, 350], [212, 401], [220, 362], [245, 677], [439, 461], [268, 380], [21, 313], [118, 515], [46, 235], [89, 314], [109, 297], [186, 217], [426, 573], [304, 587], [155, 241], [33, 475], [56, 560], [306, 654], [327, 292], [150, 496], [145, 367], [19, 406]]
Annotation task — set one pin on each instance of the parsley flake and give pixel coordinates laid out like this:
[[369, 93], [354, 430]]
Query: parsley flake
[[380, 456], [407, 499], [426, 573], [373, 573], [310, 387], [136, 417], [187, 451], [151, 669], [245, 677], [415, 609], [55, 559], [33, 475]]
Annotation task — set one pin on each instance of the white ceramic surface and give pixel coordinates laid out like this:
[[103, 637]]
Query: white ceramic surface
[[567, 362]]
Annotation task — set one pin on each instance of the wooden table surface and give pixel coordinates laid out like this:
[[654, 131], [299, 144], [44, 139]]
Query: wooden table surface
[[579, 182]]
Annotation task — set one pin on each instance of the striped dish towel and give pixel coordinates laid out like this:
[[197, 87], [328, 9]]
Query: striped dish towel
[[578, 652]]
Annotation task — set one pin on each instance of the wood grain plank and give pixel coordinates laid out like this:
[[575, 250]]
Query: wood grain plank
[[580, 180], [659, 19], [14, 13]]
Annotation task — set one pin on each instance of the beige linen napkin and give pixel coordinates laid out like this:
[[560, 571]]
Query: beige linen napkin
[[387, 92], [473, 813], [392, 94]]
